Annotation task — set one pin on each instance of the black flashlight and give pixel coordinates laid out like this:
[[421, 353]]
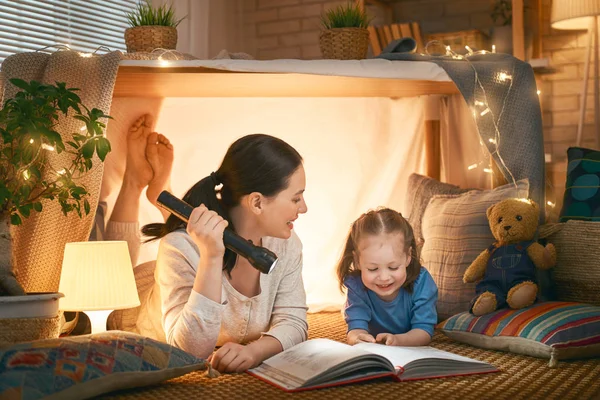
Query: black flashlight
[[260, 258]]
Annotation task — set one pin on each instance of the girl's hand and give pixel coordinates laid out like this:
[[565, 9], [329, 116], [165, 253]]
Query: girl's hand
[[233, 357], [359, 336], [206, 229], [388, 339]]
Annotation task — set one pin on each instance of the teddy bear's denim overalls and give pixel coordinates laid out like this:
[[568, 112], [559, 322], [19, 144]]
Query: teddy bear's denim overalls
[[508, 266]]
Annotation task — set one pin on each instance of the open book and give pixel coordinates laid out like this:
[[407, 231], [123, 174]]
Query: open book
[[322, 363]]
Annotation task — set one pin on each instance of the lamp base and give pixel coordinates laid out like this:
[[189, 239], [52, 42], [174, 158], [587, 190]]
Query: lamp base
[[98, 320]]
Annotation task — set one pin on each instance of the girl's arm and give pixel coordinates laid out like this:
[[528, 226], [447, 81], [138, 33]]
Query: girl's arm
[[357, 313], [414, 337]]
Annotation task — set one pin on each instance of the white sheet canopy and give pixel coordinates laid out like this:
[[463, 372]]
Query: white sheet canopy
[[358, 152]]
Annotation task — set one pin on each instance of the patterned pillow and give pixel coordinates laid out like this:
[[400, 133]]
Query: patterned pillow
[[554, 330], [456, 231], [420, 190], [81, 367], [582, 191]]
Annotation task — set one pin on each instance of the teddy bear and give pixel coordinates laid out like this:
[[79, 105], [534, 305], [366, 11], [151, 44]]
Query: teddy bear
[[506, 270]]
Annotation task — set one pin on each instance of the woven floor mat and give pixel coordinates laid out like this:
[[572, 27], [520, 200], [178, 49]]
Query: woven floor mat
[[521, 378]]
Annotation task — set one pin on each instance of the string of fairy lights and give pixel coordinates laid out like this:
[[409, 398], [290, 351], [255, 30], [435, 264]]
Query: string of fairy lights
[[480, 107]]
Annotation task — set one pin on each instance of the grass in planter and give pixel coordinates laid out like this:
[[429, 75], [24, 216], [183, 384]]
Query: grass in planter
[[144, 14], [348, 16]]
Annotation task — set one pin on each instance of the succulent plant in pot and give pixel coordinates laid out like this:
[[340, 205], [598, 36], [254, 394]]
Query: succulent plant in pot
[[28, 124], [151, 28], [344, 35]]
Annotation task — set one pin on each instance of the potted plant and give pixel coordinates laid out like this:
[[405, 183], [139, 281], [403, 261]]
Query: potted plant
[[345, 35], [502, 30], [151, 28], [27, 134]]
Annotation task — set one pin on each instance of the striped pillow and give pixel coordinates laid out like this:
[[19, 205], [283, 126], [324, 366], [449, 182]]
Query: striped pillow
[[554, 329], [456, 231]]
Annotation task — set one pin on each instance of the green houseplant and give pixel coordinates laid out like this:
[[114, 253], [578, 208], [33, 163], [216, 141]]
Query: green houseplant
[[151, 28], [27, 134], [344, 35]]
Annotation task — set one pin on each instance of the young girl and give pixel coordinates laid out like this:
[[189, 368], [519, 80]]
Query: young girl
[[391, 298]]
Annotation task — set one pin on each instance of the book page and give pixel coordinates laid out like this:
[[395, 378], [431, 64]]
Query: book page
[[311, 358], [400, 356]]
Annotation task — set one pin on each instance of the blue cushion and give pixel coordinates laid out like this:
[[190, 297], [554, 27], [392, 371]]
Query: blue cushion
[[85, 366]]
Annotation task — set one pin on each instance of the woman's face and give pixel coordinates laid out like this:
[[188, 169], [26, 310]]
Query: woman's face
[[281, 210]]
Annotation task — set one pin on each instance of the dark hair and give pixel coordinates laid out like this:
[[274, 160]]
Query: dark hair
[[375, 222], [253, 163]]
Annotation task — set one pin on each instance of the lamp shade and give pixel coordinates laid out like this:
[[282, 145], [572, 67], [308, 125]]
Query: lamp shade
[[97, 276], [573, 14]]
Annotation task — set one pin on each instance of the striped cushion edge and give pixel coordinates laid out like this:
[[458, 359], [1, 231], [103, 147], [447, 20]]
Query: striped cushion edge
[[559, 325]]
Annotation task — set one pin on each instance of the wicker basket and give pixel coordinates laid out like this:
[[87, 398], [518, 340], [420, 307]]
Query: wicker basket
[[344, 43], [17, 330], [577, 270], [475, 39], [148, 38]]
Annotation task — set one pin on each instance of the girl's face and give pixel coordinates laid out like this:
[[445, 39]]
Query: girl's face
[[283, 209], [382, 262]]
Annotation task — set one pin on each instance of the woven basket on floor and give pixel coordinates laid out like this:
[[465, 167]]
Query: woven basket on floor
[[577, 270], [344, 43], [150, 37]]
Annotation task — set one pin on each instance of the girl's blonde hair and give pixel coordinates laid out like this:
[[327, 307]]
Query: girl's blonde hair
[[376, 222]]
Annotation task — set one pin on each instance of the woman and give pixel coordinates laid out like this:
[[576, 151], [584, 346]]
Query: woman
[[208, 296]]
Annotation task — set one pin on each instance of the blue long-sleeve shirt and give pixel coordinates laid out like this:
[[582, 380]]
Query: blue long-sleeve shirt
[[365, 310]]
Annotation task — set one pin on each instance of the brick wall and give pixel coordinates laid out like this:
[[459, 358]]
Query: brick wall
[[290, 29]]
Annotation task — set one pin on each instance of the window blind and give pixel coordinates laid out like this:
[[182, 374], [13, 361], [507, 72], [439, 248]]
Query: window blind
[[83, 25]]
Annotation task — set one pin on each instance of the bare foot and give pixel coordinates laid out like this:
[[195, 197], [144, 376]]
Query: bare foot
[[159, 152], [138, 170]]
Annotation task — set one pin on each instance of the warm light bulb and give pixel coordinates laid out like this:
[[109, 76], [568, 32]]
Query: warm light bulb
[[61, 172], [539, 92], [493, 48], [31, 141], [492, 140], [479, 103], [503, 76], [487, 110], [85, 55], [551, 204], [469, 49], [83, 128], [47, 147], [487, 170], [26, 174], [472, 166]]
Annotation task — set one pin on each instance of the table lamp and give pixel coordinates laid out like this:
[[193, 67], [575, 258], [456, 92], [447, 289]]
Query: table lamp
[[582, 14], [97, 277]]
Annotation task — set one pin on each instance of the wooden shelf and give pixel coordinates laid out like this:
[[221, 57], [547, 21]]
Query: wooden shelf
[[205, 82]]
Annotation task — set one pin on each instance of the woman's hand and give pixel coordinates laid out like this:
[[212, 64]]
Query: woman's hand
[[233, 357], [206, 229]]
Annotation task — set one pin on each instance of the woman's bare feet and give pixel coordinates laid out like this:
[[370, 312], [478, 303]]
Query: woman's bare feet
[[159, 153], [138, 170]]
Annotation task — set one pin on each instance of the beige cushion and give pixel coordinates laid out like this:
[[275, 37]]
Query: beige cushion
[[420, 190], [456, 231]]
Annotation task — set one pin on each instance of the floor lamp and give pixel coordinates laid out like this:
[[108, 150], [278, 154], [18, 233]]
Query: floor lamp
[[582, 14]]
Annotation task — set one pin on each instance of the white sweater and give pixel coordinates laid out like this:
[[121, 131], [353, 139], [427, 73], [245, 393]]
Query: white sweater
[[197, 324]]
